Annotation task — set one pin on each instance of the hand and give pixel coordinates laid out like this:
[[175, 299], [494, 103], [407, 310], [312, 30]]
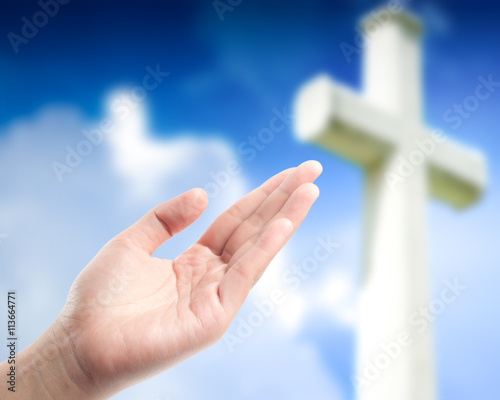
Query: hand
[[130, 316]]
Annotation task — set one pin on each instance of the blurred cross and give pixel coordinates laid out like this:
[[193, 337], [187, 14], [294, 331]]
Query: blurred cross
[[404, 162]]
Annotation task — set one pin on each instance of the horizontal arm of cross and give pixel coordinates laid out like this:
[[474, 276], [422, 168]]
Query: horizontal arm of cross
[[457, 174], [339, 120], [343, 122]]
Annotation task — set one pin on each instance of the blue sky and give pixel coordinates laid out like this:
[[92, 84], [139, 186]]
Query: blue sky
[[225, 78]]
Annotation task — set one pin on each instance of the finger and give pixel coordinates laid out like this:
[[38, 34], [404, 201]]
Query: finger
[[165, 220], [219, 232], [295, 210], [304, 173], [238, 281]]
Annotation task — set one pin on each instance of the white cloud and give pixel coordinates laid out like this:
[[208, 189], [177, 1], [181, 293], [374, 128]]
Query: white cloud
[[330, 290], [148, 163], [269, 366], [338, 295]]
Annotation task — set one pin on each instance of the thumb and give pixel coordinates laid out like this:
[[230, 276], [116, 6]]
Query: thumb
[[166, 220]]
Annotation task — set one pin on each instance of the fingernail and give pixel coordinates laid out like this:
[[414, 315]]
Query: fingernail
[[199, 198]]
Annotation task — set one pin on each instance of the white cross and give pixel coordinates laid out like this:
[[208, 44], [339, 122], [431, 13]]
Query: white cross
[[404, 162]]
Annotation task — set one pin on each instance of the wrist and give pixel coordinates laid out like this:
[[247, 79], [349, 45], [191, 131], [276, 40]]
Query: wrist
[[49, 369]]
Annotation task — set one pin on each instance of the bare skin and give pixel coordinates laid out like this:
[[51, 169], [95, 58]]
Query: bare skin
[[130, 316]]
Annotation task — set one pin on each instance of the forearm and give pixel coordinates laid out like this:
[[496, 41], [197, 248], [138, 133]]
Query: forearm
[[47, 370]]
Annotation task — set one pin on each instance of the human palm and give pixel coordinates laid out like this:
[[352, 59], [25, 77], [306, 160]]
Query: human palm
[[131, 315]]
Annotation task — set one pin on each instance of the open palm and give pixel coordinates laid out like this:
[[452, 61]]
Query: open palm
[[130, 315]]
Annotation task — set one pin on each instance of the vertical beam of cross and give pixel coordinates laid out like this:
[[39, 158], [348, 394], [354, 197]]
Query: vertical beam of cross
[[395, 277], [375, 130]]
